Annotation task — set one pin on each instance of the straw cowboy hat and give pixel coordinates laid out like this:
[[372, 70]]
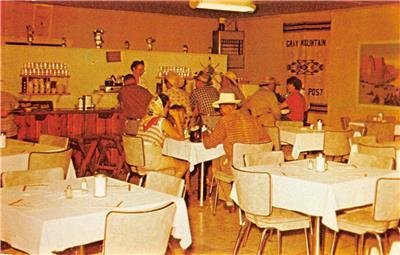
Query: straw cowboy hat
[[175, 79], [225, 98], [203, 76], [268, 80], [232, 77]]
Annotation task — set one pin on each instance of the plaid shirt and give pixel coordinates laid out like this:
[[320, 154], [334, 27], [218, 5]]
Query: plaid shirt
[[236, 127], [202, 98]]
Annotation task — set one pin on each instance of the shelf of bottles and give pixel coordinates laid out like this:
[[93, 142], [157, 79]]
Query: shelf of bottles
[[182, 71], [44, 78]]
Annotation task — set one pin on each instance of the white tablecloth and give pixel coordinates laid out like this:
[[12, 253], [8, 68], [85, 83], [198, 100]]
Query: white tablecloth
[[303, 139], [15, 156], [194, 153], [45, 221], [294, 187]]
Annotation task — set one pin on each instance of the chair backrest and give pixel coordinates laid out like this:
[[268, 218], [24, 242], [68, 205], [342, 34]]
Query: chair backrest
[[134, 150], [377, 150], [239, 149], [253, 191], [59, 141], [165, 183], [337, 143], [363, 139], [273, 133], [387, 193], [287, 123], [145, 232], [15, 178], [264, 158], [384, 131], [344, 121], [366, 160], [42, 160]]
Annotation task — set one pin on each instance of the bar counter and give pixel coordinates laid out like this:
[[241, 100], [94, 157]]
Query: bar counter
[[69, 122], [94, 135]]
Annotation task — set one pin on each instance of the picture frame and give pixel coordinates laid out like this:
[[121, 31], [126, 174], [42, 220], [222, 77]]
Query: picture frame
[[379, 74]]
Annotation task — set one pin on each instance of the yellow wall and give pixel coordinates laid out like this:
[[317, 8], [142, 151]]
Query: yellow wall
[[88, 69], [263, 42], [350, 27]]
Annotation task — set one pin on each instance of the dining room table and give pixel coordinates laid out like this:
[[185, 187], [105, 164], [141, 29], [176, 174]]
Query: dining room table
[[195, 153], [320, 195], [40, 219], [15, 156], [303, 139]]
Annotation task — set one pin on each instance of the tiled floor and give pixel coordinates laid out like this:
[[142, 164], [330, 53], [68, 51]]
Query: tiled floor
[[217, 235]]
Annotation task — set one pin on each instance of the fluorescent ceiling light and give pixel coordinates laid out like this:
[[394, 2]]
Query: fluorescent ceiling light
[[224, 5]]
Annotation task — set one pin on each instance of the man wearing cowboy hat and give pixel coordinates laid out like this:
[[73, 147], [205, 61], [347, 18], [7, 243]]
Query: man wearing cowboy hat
[[263, 104], [201, 100], [229, 84], [235, 126], [177, 96]]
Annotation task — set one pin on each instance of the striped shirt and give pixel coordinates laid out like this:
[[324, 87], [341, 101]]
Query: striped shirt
[[154, 135]]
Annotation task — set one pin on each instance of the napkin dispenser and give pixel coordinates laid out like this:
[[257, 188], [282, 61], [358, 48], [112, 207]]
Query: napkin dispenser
[[100, 185], [320, 163]]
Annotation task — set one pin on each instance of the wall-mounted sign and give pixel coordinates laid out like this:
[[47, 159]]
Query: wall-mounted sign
[[113, 56]]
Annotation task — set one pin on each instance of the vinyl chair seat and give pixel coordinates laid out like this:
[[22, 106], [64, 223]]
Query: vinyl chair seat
[[361, 222], [222, 176], [281, 219]]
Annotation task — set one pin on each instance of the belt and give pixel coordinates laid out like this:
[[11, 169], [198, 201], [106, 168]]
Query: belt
[[133, 118]]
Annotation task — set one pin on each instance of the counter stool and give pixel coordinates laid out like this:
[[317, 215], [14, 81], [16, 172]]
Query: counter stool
[[84, 153], [108, 146]]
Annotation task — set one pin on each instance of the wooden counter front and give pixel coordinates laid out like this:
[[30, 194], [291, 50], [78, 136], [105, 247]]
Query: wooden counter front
[[68, 123]]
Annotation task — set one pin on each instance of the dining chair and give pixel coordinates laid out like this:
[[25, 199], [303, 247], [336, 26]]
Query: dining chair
[[287, 123], [384, 131], [54, 140], [165, 183], [31, 177], [366, 160], [134, 156], [273, 133], [362, 139], [239, 149], [138, 232], [378, 150], [264, 158], [337, 143], [42, 160], [344, 121], [383, 215], [254, 195]]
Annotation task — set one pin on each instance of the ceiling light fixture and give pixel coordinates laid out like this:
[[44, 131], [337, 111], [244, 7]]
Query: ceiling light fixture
[[224, 5]]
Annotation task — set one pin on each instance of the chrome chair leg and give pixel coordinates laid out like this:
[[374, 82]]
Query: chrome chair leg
[[264, 238], [216, 198], [240, 237], [141, 180], [381, 250], [246, 237], [279, 237], [333, 243], [307, 244], [361, 245]]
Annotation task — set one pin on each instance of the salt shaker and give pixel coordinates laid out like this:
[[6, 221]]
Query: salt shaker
[[68, 192], [319, 125], [310, 164], [84, 185], [3, 140]]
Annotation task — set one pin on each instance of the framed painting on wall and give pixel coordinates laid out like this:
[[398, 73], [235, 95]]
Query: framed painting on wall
[[379, 74]]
